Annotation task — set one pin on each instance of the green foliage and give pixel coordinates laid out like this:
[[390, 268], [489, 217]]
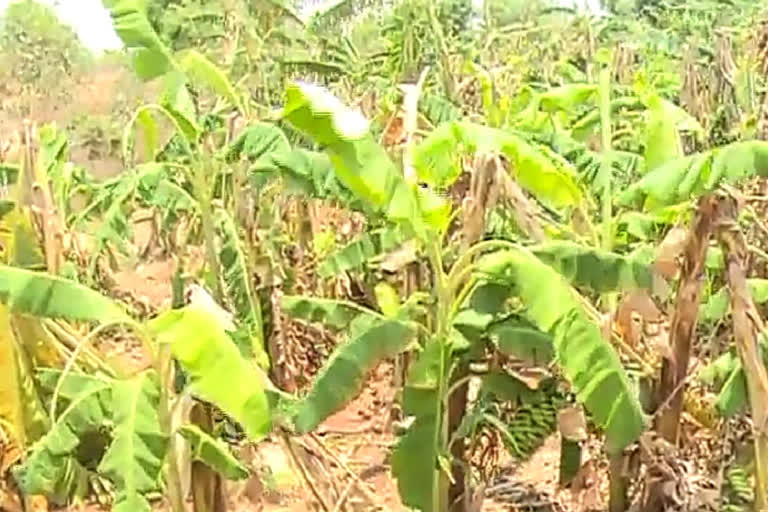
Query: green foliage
[[257, 142], [135, 456], [198, 68], [36, 48], [213, 453], [51, 463], [360, 251], [587, 360], [437, 160], [217, 371], [683, 178], [334, 313], [370, 341], [718, 304], [43, 295], [726, 373], [129, 18], [361, 164], [414, 461], [598, 270], [516, 339], [109, 426], [238, 286]]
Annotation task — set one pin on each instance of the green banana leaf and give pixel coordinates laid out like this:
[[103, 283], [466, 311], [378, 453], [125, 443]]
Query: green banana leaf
[[360, 163], [213, 453], [43, 295], [217, 371], [135, 457], [685, 178], [587, 360], [371, 340], [437, 161]]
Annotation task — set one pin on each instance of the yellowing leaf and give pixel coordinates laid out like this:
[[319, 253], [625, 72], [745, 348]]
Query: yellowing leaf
[[387, 299], [217, 371]]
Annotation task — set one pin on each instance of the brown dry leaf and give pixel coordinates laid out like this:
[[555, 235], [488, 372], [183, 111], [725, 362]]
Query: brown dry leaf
[[705, 499], [531, 377], [9, 455], [668, 251], [572, 423], [399, 258], [395, 131], [37, 504], [660, 343], [9, 500], [634, 308]]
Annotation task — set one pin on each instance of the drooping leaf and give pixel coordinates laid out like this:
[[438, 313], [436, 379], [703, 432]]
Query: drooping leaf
[[6, 206], [334, 313], [149, 117], [20, 244], [662, 139], [599, 270], [132, 26], [726, 373], [200, 69], [238, 287], [51, 458], [169, 197], [257, 141], [684, 178], [356, 253], [217, 371], [588, 361], [718, 304], [213, 453], [486, 305], [415, 458], [513, 338], [41, 294], [309, 173], [9, 173], [21, 414], [567, 97], [507, 388], [437, 161], [733, 398], [114, 198], [135, 456], [360, 163], [342, 377]]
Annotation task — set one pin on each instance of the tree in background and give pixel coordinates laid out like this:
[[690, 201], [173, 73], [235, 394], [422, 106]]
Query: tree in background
[[37, 51]]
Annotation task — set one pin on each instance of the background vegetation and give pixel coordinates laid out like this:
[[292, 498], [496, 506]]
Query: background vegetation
[[515, 253]]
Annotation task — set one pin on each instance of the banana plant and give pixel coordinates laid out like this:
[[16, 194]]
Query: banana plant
[[127, 428], [433, 324]]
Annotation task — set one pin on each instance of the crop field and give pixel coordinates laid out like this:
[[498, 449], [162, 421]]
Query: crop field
[[363, 255]]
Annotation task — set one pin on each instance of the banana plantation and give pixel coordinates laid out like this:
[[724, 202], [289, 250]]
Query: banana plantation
[[361, 255]]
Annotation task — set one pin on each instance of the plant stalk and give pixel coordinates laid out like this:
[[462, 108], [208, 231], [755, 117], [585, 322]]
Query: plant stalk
[[442, 319], [747, 323]]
